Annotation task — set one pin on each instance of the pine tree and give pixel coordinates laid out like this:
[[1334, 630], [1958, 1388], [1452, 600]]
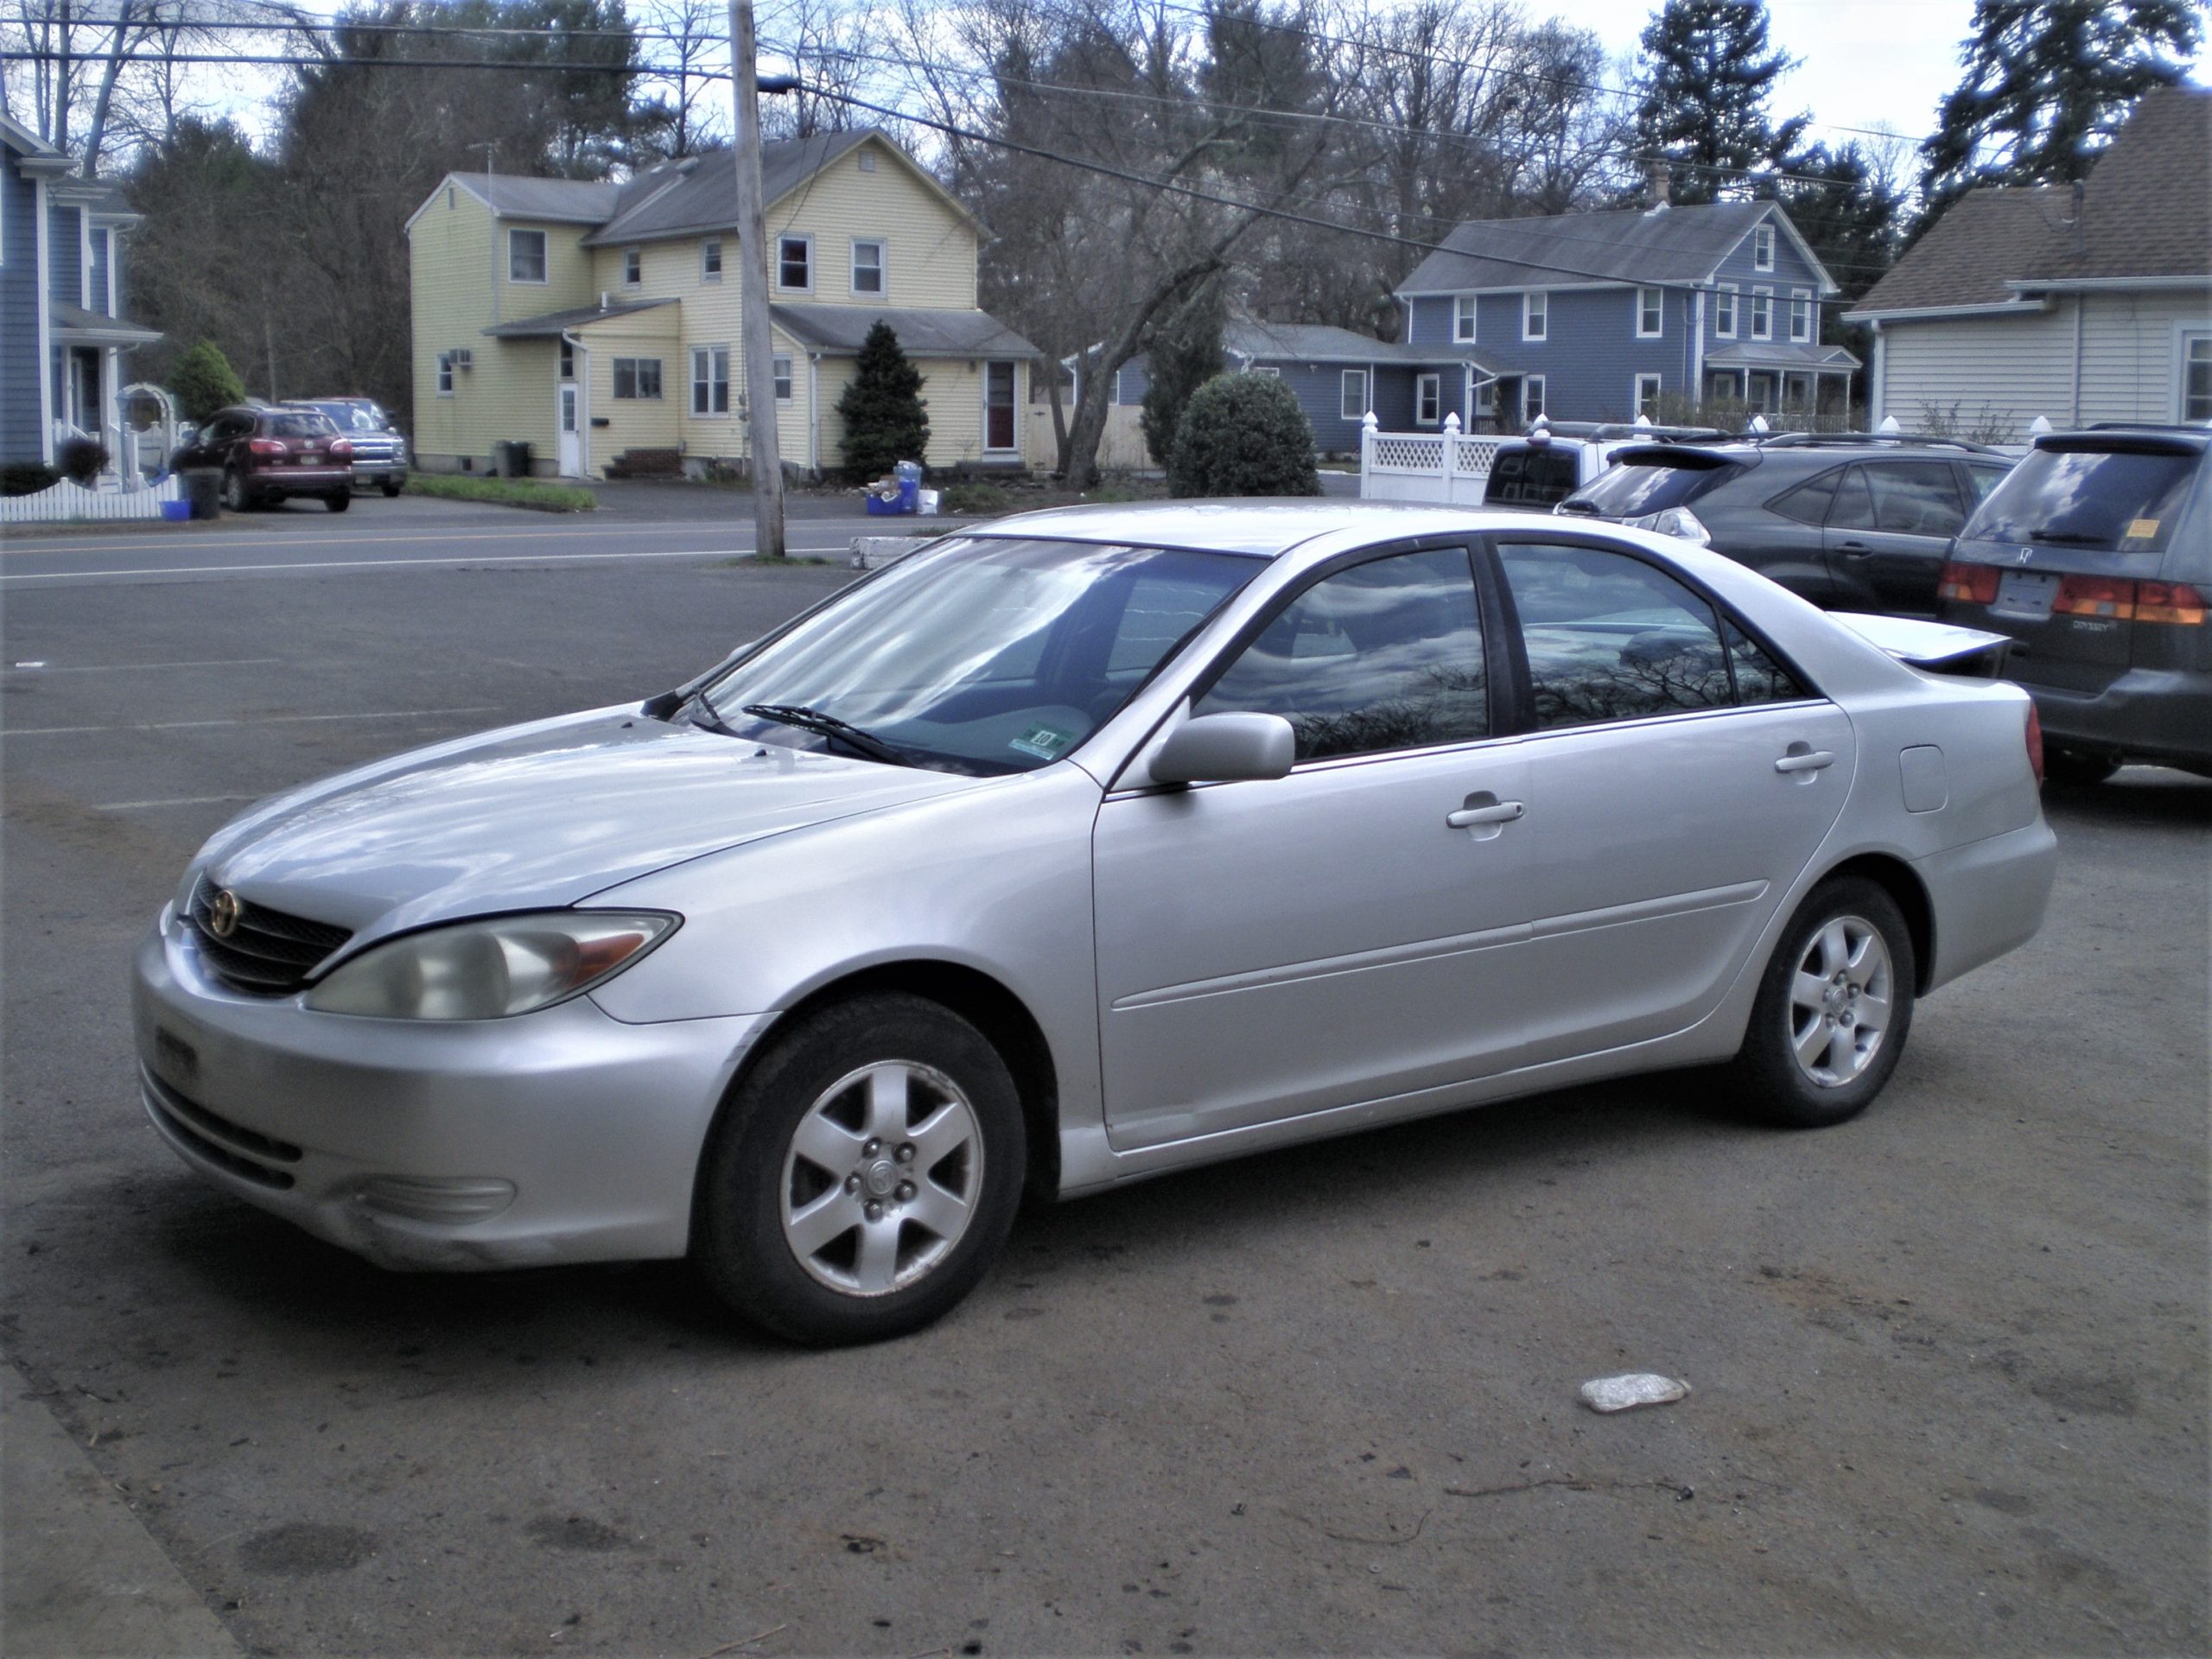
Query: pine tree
[[886, 417], [1185, 354], [1849, 210], [204, 381], [1702, 94], [2047, 84]]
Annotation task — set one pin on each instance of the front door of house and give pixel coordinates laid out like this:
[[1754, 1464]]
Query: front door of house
[[572, 437]]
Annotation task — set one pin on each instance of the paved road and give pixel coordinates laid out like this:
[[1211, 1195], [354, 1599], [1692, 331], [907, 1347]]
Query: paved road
[[1949, 1361]]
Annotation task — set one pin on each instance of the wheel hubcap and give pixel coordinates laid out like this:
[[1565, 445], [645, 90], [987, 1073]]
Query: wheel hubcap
[[1840, 1002], [882, 1178]]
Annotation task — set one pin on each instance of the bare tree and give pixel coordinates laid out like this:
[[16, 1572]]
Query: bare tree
[[89, 58]]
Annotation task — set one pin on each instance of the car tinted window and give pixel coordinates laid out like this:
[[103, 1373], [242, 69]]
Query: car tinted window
[[304, 424], [1984, 479], [1916, 498], [1635, 488], [1809, 503], [2127, 499], [1386, 655], [1611, 638], [1760, 678], [1532, 478], [1855, 503]]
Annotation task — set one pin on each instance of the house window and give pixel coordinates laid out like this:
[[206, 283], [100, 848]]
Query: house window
[[999, 428], [445, 374], [1650, 312], [709, 380], [1535, 315], [568, 359], [633, 267], [1532, 399], [867, 267], [1428, 400], [637, 377], [1463, 318], [2196, 378], [779, 370], [1647, 395], [1800, 315], [1724, 313], [525, 256], [1763, 248], [795, 262], [1762, 313], [710, 260], [868, 161], [1351, 395]]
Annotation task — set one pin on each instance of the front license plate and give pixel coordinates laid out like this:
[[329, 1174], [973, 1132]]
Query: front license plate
[[2025, 593]]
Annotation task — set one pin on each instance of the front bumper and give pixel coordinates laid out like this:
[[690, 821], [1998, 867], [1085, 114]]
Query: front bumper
[[563, 1136], [378, 471], [2147, 714]]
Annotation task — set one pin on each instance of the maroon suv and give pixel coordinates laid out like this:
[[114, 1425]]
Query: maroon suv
[[267, 454]]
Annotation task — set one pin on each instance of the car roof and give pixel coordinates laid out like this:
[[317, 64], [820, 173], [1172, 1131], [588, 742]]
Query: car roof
[[1258, 529]]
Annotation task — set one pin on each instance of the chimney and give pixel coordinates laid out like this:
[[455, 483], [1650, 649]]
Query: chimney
[[1655, 181]]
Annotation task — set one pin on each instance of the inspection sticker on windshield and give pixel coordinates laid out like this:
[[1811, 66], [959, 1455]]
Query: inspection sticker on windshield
[[2142, 529], [1044, 741]]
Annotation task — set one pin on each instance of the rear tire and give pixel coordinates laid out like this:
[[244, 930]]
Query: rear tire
[[858, 1182], [1832, 1012], [234, 497], [2078, 768]]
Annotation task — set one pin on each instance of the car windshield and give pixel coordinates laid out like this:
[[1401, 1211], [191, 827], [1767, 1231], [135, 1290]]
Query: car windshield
[[302, 424], [1635, 488], [979, 656], [2122, 500]]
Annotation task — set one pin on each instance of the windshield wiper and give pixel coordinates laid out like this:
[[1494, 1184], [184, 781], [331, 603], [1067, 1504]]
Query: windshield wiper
[[813, 720]]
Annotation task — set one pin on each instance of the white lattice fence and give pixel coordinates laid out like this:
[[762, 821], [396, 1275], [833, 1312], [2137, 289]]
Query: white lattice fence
[[66, 501], [1448, 468]]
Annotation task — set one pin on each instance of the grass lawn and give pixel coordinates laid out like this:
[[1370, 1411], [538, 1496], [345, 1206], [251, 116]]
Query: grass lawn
[[503, 491]]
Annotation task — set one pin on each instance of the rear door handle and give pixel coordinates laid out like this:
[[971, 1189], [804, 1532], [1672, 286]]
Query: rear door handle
[[1467, 817], [1813, 760], [1859, 548]]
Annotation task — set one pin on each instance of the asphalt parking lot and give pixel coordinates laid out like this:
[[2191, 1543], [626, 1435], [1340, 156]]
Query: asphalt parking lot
[[1949, 1361]]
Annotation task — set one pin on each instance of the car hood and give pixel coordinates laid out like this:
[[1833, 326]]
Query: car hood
[[533, 817]]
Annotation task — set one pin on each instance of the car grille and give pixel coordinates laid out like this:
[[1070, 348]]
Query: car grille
[[268, 953], [374, 449], [244, 1152]]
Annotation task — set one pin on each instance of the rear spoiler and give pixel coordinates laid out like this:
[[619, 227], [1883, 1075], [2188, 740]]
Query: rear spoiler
[[1940, 647]]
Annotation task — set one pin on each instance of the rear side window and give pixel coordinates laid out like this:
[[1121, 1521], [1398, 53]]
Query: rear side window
[[1610, 637], [1635, 488], [1809, 502], [2122, 500], [1532, 478]]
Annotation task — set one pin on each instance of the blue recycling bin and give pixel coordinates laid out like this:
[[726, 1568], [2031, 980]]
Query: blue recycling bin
[[909, 474]]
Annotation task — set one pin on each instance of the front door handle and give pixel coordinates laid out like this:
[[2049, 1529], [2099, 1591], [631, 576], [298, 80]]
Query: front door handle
[[1497, 813], [1805, 760], [1859, 548]]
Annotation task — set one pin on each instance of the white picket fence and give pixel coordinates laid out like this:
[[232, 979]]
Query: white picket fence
[[1447, 467], [65, 502]]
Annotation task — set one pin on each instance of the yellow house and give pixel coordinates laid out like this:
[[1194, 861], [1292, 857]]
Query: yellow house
[[594, 319]]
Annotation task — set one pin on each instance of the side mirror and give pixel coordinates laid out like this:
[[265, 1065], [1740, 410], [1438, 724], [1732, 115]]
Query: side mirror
[[1226, 749]]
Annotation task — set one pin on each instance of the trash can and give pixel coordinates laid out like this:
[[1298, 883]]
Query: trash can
[[909, 474], [512, 456], [203, 489]]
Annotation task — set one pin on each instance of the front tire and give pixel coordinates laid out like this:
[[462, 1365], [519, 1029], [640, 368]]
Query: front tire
[[338, 503], [1832, 1010], [390, 486], [860, 1181]]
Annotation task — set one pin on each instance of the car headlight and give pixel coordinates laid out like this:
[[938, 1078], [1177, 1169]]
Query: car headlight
[[489, 969], [1678, 522]]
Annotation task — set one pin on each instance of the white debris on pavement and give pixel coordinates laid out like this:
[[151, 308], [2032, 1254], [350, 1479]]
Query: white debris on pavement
[[1634, 1389]]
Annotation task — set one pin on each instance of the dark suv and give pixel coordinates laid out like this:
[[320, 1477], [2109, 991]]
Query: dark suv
[[2095, 555], [1851, 521], [267, 454]]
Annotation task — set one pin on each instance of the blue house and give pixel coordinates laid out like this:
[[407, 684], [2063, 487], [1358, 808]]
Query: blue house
[[62, 333], [1339, 376], [1596, 316]]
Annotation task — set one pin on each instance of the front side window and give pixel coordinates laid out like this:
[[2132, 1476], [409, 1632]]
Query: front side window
[[1386, 655], [1428, 400], [981, 656], [633, 267], [1610, 637], [637, 377], [1650, 312], [710, 259], [1463, 318], [867, 267], [526, 256], [795, 261], [1535, 315], [710, 380], [1724, 313], [1351, 395]]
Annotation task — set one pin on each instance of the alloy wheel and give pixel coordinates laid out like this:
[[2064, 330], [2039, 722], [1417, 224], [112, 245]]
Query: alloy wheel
[[1840, 1001]]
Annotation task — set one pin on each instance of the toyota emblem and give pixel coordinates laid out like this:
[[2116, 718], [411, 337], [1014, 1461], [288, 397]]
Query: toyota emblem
[[222, 914]]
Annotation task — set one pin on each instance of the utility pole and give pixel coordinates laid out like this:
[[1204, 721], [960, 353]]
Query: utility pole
[[753, 271]]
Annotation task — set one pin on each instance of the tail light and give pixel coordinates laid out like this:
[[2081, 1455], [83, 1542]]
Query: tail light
[[2126, 600], [342, 447], [1976, 583], [2035, 744], [267, 447]]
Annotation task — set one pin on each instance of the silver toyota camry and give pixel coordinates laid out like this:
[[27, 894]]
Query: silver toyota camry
[[1088, 846]]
